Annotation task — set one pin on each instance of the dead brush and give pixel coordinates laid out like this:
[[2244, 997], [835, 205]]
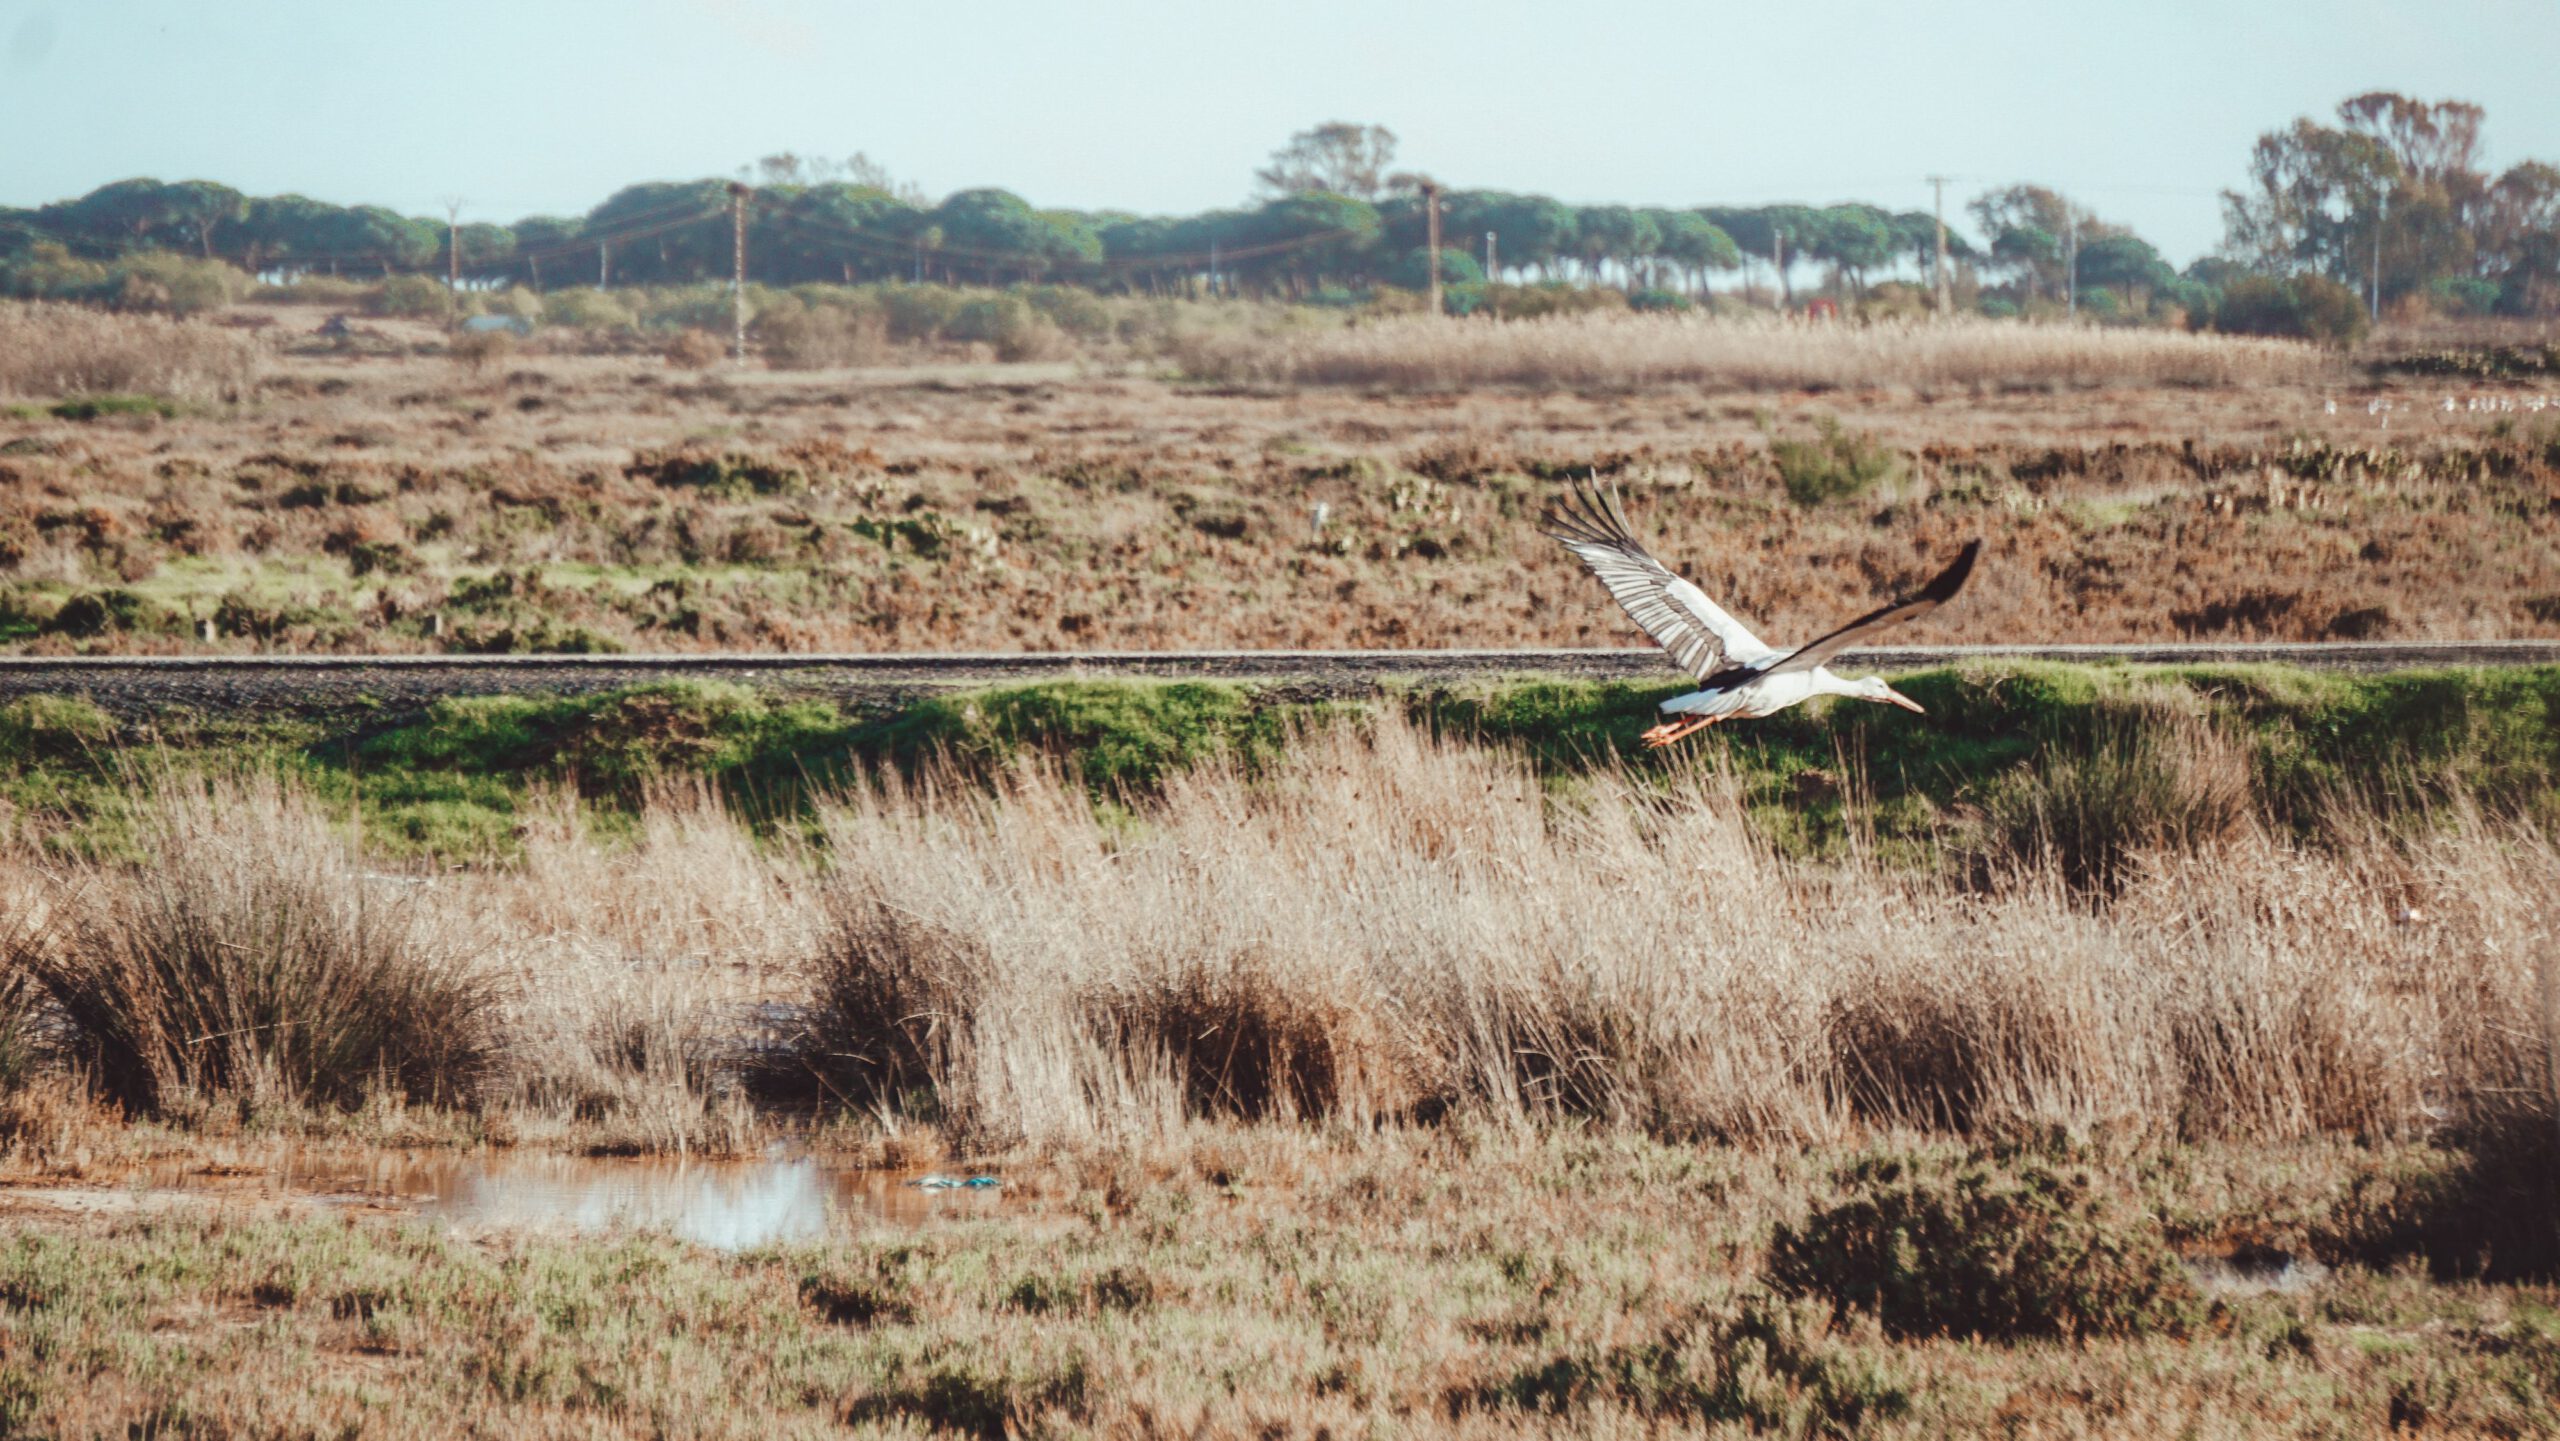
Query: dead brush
[[1625, 352], [248, 953], [74, 350], [640, 968], [1386, 924]]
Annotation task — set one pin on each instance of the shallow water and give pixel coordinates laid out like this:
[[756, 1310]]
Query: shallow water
[[731, 1205]]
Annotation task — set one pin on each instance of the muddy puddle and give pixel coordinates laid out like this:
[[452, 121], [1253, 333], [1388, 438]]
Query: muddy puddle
[[731, 1205]]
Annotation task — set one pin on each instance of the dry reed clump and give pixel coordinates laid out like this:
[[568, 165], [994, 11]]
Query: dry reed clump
[[2156, 779], [247, 952], [73, 350], [1610, 352], [643, 971], [1390, 924]]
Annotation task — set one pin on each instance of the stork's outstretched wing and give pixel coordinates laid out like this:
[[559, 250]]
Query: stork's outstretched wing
[[1678, 615], [1933, 595]]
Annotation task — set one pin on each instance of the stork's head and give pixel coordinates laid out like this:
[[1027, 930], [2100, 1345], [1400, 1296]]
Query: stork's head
[[1873, 688]]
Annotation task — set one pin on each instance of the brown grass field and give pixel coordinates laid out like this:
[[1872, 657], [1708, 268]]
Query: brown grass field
[[2192, 1077], [537, 501], [1377, 1093]]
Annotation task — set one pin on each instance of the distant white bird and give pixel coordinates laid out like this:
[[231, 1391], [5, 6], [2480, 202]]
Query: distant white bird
[[1739, 676]]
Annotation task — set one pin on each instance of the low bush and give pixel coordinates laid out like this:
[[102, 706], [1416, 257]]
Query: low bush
[[2145, 785], [1986, 1247], [587, 309], [247, 953], [414, 297], [477, 350], [694, 350], [2304, 307], [1759, 1362], [1836, 464], [95, 407], [177, 284], [822, 337], [1009, 323], [108, 612], [69, 350]]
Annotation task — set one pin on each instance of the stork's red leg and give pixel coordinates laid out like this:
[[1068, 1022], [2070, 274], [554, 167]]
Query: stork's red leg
[[1669, 731]]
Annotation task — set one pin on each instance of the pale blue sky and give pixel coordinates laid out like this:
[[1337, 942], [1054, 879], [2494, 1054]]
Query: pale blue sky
[[2143, 111]]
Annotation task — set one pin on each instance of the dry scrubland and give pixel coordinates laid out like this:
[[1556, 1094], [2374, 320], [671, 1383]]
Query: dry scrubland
[[1724, 354], [1385, 1090], [2134, 486], [1363, 1080]]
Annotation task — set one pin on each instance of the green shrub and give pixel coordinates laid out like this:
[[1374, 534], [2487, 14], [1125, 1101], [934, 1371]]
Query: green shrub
[[178, 285], [1670, 300], [52, 727], [588, 309], [1760, 1363], [919, 312], [2304, 307], [103, 612], [2462, 295], [1412, 271], [1985, 1247], [1835, 464], [412, 296], [2149, 782], [1072, 308], [93, 407], [992, 318]]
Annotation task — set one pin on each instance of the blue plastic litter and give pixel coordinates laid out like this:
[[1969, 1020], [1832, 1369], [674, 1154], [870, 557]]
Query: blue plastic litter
[[956, 1183]]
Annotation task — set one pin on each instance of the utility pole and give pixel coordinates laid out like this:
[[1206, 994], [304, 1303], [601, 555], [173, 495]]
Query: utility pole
[[1214, 292], [604, 265], [453, 262], [2070, 260], [1786, 292], [1431, 248], [1938, 266], [1492, 247], [738, 193], [2381, 213]]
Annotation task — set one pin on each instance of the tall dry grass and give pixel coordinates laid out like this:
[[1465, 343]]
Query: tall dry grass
[[649, 973], [1391, 925], [1378, 925], [249, 952], [1613, 352], [49, 350]]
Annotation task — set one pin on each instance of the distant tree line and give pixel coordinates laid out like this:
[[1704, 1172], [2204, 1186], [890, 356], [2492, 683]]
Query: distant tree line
[[2391, 204]]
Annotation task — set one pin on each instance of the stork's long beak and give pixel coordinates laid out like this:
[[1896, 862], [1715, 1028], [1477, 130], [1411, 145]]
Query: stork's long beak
[[1896, 697]]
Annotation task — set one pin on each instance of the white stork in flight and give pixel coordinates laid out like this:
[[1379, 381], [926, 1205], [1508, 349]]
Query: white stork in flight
[[1738, 674]]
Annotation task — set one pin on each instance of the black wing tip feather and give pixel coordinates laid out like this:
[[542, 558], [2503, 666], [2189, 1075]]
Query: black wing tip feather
[[1589, 515], [1952, 579]]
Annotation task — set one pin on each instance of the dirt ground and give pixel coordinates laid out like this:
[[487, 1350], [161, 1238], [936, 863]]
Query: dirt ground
[[407, 502]]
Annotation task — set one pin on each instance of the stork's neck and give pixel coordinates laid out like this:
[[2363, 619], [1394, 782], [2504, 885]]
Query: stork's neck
[[1825, 683]]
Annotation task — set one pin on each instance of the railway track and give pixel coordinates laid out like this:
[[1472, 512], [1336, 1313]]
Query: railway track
[[139, 685]]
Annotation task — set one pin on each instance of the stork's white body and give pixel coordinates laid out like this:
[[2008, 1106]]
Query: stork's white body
[[1754, 695]]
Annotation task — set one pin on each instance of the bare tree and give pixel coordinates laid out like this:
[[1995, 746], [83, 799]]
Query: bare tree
[[1337, 156]]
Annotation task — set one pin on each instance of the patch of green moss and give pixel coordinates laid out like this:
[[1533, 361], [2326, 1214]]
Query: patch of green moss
[[93, 407]]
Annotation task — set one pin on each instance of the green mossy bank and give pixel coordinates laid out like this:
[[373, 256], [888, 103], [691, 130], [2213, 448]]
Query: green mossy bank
[[451, 780]]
